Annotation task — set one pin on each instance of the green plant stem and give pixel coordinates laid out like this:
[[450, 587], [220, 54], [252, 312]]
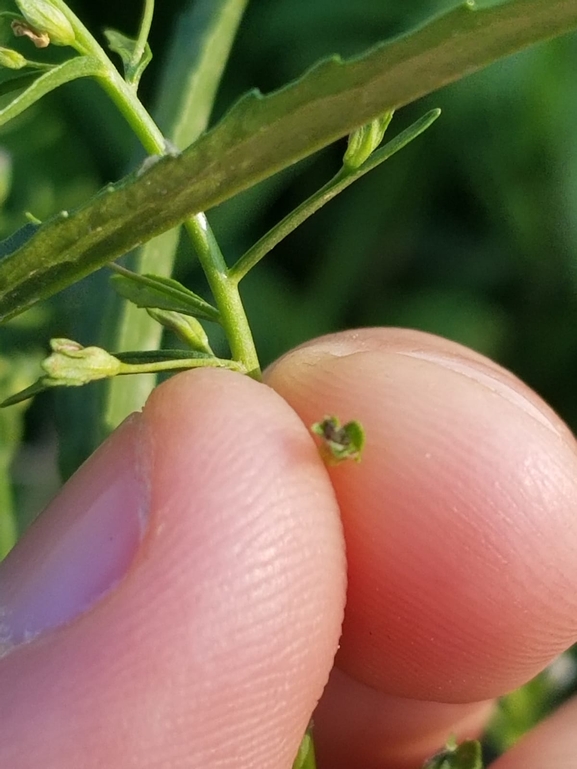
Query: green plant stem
[[225, 290], [199, 49], [121, 93], [143, 34]]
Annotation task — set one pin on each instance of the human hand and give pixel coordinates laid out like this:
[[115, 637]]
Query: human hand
[[180, 603]]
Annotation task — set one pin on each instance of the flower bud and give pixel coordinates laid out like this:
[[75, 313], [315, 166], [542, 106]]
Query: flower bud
[[365, 140], [45, 18], [73, 365], [11, 59], [186, 328]]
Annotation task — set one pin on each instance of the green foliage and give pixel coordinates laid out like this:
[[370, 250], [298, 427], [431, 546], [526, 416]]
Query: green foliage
[[154, 291], [266, 134]]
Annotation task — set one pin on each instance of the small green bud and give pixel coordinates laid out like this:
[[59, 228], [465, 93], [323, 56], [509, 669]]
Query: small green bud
[[73, 365], [44, 18], [365, 140], [11, 59], [188, 329], [340, 442]]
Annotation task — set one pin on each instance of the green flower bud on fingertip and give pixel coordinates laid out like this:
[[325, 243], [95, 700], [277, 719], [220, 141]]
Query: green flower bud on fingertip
[[340, 442], [45, 18], [11, 59]]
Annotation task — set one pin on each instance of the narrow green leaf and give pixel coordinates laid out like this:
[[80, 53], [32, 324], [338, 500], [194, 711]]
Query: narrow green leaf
[[24, 395], [17, 81], [199, 51], [262, 135], [162, 293], [79, 66], [141, 54], [146, 357]]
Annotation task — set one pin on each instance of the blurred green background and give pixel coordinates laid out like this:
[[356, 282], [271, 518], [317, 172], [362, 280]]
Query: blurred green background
[[470, 233]]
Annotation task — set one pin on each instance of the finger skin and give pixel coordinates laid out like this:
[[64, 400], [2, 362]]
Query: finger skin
[[552, 745], [215, 647], [460, 521], [358, 726]]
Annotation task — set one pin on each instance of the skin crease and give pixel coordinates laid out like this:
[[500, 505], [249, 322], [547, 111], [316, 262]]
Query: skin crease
[[214, 647]]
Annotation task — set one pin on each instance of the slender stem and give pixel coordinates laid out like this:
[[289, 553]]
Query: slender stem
[[123, 95], [225, 290], [290, 222], [143, 33], [117, 88]]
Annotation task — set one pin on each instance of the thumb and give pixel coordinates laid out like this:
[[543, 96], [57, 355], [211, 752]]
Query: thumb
[[179, 603]]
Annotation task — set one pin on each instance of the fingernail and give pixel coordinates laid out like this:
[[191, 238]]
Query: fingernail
[[501, 382], [81, 545], [487, 374]]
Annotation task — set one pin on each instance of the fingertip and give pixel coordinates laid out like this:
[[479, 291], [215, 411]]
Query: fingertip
[[459, 521], [359, 726]]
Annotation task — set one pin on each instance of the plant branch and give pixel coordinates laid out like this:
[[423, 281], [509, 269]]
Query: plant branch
[[262, 135], [125, 397]]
